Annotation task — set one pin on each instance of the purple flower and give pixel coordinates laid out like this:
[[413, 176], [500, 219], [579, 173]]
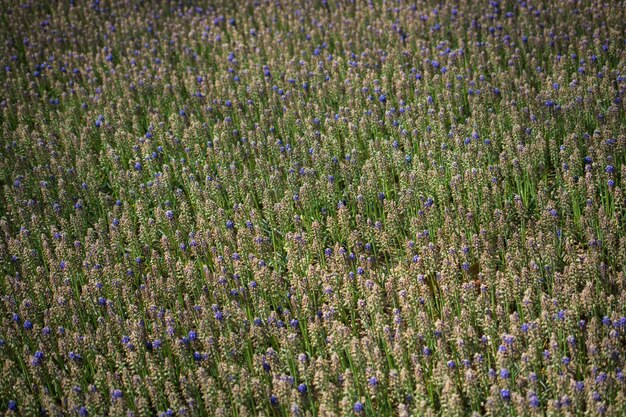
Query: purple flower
[[37, 358], [117, 394], [505, 394], [358, 407], [302, 388]]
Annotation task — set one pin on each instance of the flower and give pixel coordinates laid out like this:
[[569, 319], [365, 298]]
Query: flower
[[505, 394], [37, 358]]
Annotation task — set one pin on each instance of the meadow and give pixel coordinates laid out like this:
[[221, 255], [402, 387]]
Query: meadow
[[312, 208]]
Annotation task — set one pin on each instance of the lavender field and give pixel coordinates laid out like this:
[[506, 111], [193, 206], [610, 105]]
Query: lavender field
[[312, 208]]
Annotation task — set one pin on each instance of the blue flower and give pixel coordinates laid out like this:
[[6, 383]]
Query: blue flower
[[358, 407], [37, 358], [505, 394]]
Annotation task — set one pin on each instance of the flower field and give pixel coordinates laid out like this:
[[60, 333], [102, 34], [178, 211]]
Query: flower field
[[312, 208]]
